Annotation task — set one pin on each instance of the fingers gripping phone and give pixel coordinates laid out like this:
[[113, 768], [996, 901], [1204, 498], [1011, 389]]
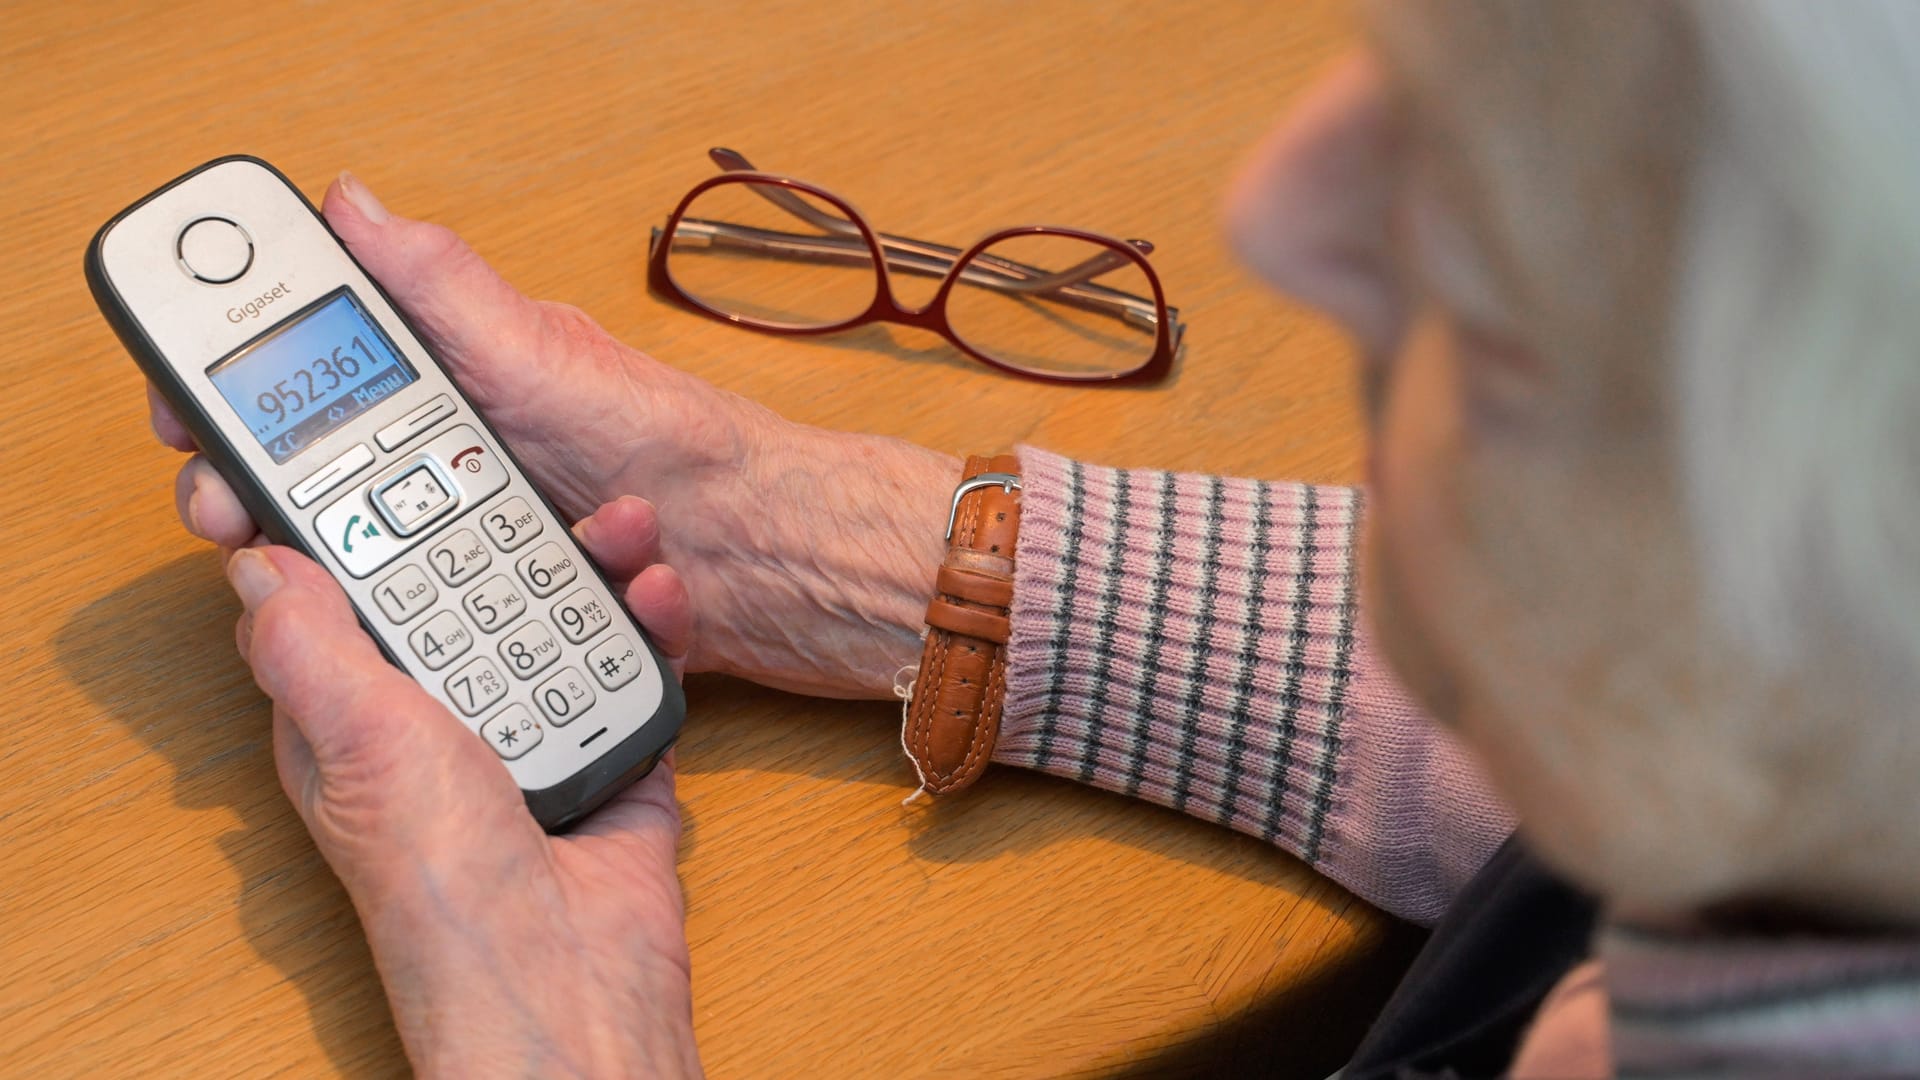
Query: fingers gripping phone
[[345, 439]]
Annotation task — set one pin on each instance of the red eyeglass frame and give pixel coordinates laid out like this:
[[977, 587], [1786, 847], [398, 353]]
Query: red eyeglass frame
[[886, 309]]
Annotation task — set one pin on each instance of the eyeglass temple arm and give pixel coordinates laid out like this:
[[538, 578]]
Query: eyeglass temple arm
[[1032, 280], [933, 260], [735, 161]]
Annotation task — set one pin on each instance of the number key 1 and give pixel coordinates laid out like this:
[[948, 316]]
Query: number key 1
[[406, 593]]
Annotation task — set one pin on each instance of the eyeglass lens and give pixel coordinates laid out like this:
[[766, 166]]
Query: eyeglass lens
[[791, 261], [1055, 305]]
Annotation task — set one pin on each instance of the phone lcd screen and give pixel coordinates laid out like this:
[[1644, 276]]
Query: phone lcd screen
[[305, 377]]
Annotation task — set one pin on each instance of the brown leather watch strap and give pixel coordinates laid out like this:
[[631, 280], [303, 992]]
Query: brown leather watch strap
[[953, 716]]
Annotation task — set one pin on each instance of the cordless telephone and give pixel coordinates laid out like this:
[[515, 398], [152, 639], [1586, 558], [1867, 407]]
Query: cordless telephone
[[346, 440]]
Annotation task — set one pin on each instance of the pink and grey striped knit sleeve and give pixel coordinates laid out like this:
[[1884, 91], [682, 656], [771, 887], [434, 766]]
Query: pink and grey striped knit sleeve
[[1195, 641]]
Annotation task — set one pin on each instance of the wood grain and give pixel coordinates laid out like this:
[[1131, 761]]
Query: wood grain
[[161, 910]]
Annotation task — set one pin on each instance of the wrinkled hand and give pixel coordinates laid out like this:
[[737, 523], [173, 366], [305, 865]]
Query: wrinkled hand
[[809, 554], [503, 951]]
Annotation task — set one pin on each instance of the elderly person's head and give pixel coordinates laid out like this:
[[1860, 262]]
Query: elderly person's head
[[1637, 287]]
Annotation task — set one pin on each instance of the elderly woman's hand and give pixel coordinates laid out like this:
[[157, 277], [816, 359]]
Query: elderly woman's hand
[[503, 950], [809, 554]]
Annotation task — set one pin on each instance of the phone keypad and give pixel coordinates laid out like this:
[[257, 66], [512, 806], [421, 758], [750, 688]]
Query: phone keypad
[[404, 594], [476, 687], [494, 603], [511, 524], [539, 672], [564, 696], [459, 558]]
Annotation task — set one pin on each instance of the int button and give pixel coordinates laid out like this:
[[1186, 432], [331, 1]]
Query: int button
[[214, 250], [415, 497]]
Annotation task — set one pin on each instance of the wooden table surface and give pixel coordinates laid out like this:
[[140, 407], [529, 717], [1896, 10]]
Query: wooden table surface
[[161, 909]]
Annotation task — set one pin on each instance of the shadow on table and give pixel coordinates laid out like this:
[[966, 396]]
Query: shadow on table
[[158, 656], [734, 725], [1304, 1028], [900, 343], [1303, 1031]]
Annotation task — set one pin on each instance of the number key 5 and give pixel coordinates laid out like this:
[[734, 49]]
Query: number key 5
[[495, 602]]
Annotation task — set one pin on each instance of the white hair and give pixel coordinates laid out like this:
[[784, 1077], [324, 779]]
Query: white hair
[[1797, 331]]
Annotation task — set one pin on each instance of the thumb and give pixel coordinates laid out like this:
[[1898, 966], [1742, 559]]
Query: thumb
[[472, 318], [385, 777]]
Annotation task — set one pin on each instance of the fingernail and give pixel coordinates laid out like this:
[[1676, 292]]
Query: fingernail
[[362, 199], [193, 508], [253, 576]]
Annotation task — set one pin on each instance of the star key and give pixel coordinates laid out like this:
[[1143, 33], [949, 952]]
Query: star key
[[513, 732]]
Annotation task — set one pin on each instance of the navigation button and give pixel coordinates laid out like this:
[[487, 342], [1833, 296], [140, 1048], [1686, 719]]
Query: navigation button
[[415, 497], [513, 732], [331, 475], [414, 423], [363, 541]]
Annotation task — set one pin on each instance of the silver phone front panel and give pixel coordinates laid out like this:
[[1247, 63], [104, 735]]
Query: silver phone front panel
[[577, 698]]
